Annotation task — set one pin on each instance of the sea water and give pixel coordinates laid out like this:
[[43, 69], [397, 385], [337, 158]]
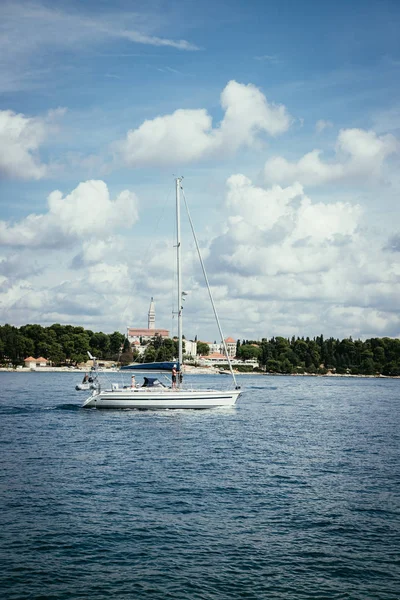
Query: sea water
[[292, 494]]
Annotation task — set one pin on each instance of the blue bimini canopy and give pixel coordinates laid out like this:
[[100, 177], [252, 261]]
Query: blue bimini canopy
[[152, 382], [154, 367]]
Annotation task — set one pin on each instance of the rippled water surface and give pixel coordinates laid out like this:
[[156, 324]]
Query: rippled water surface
[[294, 494]]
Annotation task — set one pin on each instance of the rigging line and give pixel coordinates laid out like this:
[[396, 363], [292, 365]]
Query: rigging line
[[208, 287]]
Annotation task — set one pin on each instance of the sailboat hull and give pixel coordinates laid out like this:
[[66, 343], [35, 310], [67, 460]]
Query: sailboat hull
[[152, 399]]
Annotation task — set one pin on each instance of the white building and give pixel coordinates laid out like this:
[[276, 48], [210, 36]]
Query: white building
[[35, 363], [190, 348], [231, 347], [214, 347], [219, 348], [220, 359]]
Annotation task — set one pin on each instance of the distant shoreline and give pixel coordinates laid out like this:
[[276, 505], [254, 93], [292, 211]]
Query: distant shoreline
[[195, 371]]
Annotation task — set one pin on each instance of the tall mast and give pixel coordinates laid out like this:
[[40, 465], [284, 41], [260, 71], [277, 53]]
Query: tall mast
[[178, 267]]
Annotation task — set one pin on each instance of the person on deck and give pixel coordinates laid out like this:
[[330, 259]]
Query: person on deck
[[133, 381], [173, 377]]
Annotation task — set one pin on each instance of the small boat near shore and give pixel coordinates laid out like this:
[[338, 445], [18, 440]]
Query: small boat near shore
[[90, 381], [85, 386]]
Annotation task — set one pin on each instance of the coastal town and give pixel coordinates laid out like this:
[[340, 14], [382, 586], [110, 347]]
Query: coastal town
[[66, 348], [207, 357]]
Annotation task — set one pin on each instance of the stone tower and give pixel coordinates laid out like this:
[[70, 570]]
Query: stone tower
[[152, 316]]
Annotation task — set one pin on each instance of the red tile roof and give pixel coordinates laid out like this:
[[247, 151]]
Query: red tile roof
[[148, 332]]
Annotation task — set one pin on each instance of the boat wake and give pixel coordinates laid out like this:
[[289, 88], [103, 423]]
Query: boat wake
[[71, 407]]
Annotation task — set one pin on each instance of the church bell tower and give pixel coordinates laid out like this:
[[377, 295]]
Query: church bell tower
[[152, 316]]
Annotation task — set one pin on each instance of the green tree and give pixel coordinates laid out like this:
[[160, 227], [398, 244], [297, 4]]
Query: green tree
[[237, 347], [379, 356], [392, 368], [116, 342], [100, 345], [26, 345], [301, 350], [126, 357], [67, 343], [81, 347], [249, 352], [150, 354], [286, 366], [170, 349], [273, 366], [289, 356], [203, 349]]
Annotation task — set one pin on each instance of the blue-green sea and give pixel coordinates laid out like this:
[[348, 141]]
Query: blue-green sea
[[293, 494]]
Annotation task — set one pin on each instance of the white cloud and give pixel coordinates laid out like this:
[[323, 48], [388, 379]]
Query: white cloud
[[97, 250], [19, 265], [393, 243], [247, 112], [42, 286], [188, 135], [141, 38], [298, 263], [320, 221], [183, 136], [368, 322], [20, 138], [359, 155], [99, 295], [321, 125], [34, 25], [10, 293], [257, 206], [29, 30], [104, 278], [87, 212], [281, 264], [305, 270]]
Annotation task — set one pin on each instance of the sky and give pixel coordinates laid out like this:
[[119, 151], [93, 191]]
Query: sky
[[282, 117]]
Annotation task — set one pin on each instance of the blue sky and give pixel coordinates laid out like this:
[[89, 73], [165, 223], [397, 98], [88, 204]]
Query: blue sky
[[283, 117]]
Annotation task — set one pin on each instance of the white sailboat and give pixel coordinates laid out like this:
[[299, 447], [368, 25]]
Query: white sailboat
[[153, 394]]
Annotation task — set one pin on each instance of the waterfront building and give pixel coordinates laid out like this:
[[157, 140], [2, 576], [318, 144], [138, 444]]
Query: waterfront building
[[231, 347], [219, 348], [35, 363], [190, 348], [220, 359]]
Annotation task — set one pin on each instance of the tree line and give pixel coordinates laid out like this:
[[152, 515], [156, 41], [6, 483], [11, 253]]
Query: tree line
[[318, 355], [67, 344], [60, 344]]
